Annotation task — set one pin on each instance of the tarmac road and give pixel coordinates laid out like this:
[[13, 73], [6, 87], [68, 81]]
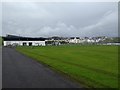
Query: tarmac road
[[19, 71], [0, 67]]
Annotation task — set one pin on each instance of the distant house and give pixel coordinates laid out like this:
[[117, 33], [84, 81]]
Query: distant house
[[74, 40], [56, 41], [11, 40]]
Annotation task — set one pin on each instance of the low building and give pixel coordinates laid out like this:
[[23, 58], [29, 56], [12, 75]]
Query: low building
[[74, 40], [11, 40]]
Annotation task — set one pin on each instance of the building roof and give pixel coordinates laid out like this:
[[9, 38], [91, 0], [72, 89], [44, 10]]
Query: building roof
[[19, 38]]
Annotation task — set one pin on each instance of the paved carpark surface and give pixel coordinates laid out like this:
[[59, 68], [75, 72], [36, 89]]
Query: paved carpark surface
[[20, 71], [0, 67]]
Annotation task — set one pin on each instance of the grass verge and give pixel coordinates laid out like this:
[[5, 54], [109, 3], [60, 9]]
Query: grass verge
[[92, 66]]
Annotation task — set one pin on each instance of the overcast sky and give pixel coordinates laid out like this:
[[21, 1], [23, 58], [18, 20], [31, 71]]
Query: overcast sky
[[45, 19]]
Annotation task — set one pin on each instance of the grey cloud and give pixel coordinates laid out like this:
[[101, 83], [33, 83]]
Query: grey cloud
[[62, 19], [106, 26]]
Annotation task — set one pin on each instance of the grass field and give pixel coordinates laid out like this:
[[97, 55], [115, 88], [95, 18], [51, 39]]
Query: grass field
[[0, 41], [91, 66]]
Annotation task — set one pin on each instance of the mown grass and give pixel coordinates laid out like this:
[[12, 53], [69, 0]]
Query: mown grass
[[0, 41], [92, 66]]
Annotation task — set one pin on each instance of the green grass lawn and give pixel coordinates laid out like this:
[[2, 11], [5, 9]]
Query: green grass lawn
[[0, 41], [91, 66]]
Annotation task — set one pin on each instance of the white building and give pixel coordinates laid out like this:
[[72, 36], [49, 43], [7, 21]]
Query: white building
[[23, 41], [74, 40]]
